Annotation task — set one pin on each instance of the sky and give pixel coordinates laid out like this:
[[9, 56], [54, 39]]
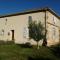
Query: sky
[[15, 6]]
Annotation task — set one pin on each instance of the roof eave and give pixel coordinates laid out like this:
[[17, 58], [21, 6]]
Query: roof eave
[[32, 11]]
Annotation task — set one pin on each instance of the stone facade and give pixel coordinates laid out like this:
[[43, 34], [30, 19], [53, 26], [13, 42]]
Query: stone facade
[[15, 26]]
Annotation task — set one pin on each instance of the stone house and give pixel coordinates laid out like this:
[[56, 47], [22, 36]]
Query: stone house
[[15, 26]]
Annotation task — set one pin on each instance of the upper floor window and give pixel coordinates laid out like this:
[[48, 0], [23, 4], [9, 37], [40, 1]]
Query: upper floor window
[[53, 20], [53, 33], [29, 19], [26, 32], [5, 21]]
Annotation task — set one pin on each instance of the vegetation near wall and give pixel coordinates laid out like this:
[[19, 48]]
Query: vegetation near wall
[[16, 52], [36, 31]]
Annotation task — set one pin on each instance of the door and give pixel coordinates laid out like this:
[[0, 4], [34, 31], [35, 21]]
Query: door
[[12, 34]]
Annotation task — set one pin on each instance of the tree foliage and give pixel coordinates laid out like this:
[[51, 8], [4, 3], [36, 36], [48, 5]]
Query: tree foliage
[[36, 31]]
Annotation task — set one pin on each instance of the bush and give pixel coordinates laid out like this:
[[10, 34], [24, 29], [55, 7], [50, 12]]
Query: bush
[[28, 45], [43, 53], [6, 42], [56, 50]]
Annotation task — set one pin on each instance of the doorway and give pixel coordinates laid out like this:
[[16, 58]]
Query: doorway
[[12, 34]]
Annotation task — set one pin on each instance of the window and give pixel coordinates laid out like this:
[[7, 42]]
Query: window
[[54, 33], [2, 32], [5, 21], [53, 20], [8, 33], [25, 32], [30, 19]]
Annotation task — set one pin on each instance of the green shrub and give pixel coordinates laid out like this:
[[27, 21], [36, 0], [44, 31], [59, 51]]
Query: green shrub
[[56, 50], [43, 53], [16, 52], [26, 45]]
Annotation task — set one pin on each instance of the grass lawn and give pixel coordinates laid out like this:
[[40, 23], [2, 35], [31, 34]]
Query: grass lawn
[[16, 52]]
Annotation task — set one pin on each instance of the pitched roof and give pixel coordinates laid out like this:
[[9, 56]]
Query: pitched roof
[[32, 11]]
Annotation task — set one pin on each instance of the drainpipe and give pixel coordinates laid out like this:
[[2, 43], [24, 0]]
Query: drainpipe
[[59, 35], [45, 40]]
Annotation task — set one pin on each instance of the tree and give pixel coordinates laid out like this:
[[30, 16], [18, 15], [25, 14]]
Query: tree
[[36, 31]]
